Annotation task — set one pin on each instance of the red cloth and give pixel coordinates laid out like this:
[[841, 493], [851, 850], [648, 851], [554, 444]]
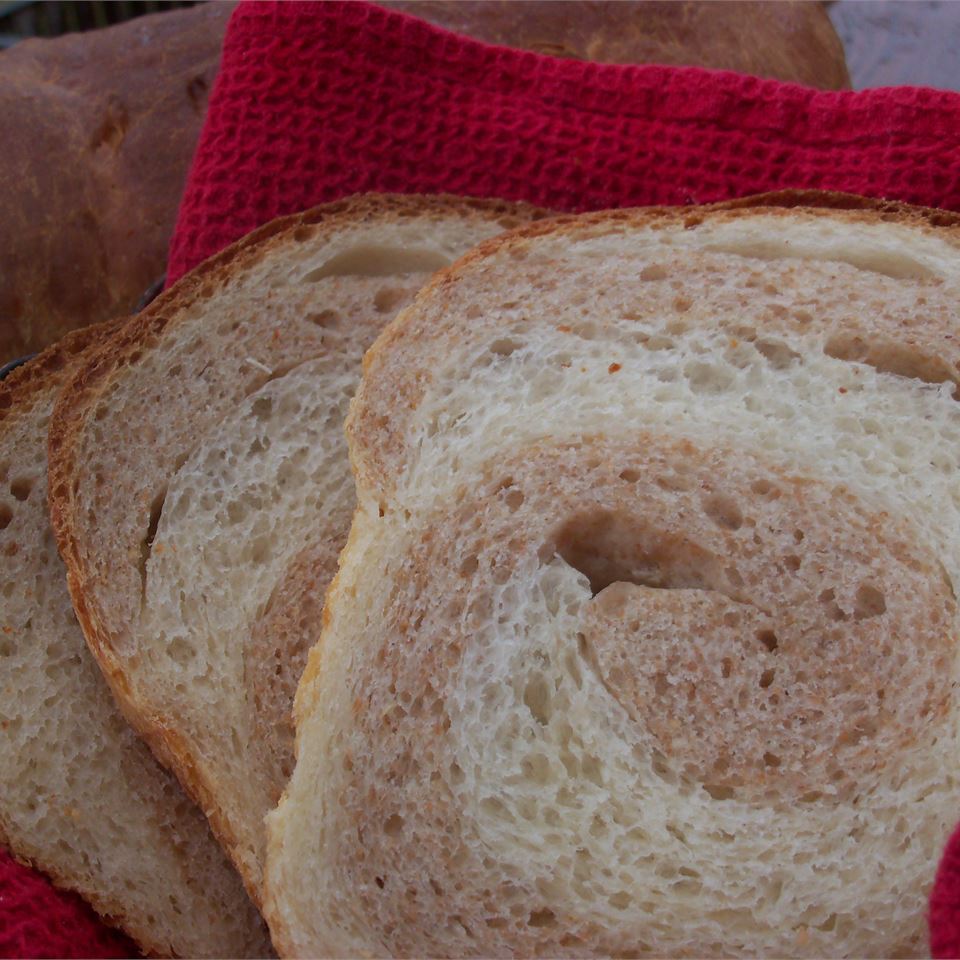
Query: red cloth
[[37, 920], [945, 903], [317, 101]]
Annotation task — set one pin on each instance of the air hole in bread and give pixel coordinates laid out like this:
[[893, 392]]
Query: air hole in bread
[[504, 346], [723, 511], [764, 488], [677, 481], [767, 677], [585, 331], [886, 356], [20, 487], [875, 259], [608, 547], [393, 825], [146, 545], [777, 353], [655, 342], [868, 602], [536, 769], [708, 378], [389, 299], [654, 271], [376, 260], [718, 792], [514, 499], [6, 515], [542, 918], [328, 319], [180, 651], [833, 609], [536, 697], [303, 233], [769, 639], [262, 408]]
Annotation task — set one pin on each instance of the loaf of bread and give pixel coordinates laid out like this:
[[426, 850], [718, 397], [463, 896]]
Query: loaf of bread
[[107, 121], [101, 128], [80, 796], [644, 641], [787, 40], [201, 491]]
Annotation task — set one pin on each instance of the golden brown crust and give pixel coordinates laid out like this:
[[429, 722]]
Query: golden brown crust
[[51, 367], [25, 386], [202, 282], [794, 42], [487, 584], [799, 673], [142, 334], [106, 121], [132, 129], [839, 207], [857, 208]]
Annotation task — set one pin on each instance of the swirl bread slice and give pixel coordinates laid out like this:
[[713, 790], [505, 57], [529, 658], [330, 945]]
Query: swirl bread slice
[[201, 491], [81, 797], [644, 641]]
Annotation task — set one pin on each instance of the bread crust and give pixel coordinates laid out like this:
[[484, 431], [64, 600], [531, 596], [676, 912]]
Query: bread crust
[[406, 685], [111, 363], [848, 208], [35, 381], [104, 119], [20, 387]]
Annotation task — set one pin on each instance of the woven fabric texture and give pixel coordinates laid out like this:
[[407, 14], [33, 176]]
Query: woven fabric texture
[[37, 920], [945, 904], [315, 101]]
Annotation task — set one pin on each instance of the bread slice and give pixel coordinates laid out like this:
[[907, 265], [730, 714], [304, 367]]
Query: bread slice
[[80, 796], [201, 492], [644, 642]]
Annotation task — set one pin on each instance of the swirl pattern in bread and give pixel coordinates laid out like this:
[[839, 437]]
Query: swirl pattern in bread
[[81, 797], [201, 490], [644, 641]]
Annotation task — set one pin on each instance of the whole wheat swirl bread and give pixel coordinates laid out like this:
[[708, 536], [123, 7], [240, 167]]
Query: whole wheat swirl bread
[[644, 641], [80, 796], [201, 492]]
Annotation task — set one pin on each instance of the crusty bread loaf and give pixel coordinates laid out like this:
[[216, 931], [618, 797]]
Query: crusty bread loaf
[[792, 41], [80, 796], [201, 491], [644, 641], [108, 120], [105, 124]]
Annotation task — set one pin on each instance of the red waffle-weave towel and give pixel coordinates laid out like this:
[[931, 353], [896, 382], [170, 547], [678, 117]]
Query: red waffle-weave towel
[[37, 920], [945, 904], [317, 101]]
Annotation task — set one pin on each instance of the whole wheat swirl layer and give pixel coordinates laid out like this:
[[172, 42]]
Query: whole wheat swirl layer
[[644, 641], [81, 797], [201, 492]]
